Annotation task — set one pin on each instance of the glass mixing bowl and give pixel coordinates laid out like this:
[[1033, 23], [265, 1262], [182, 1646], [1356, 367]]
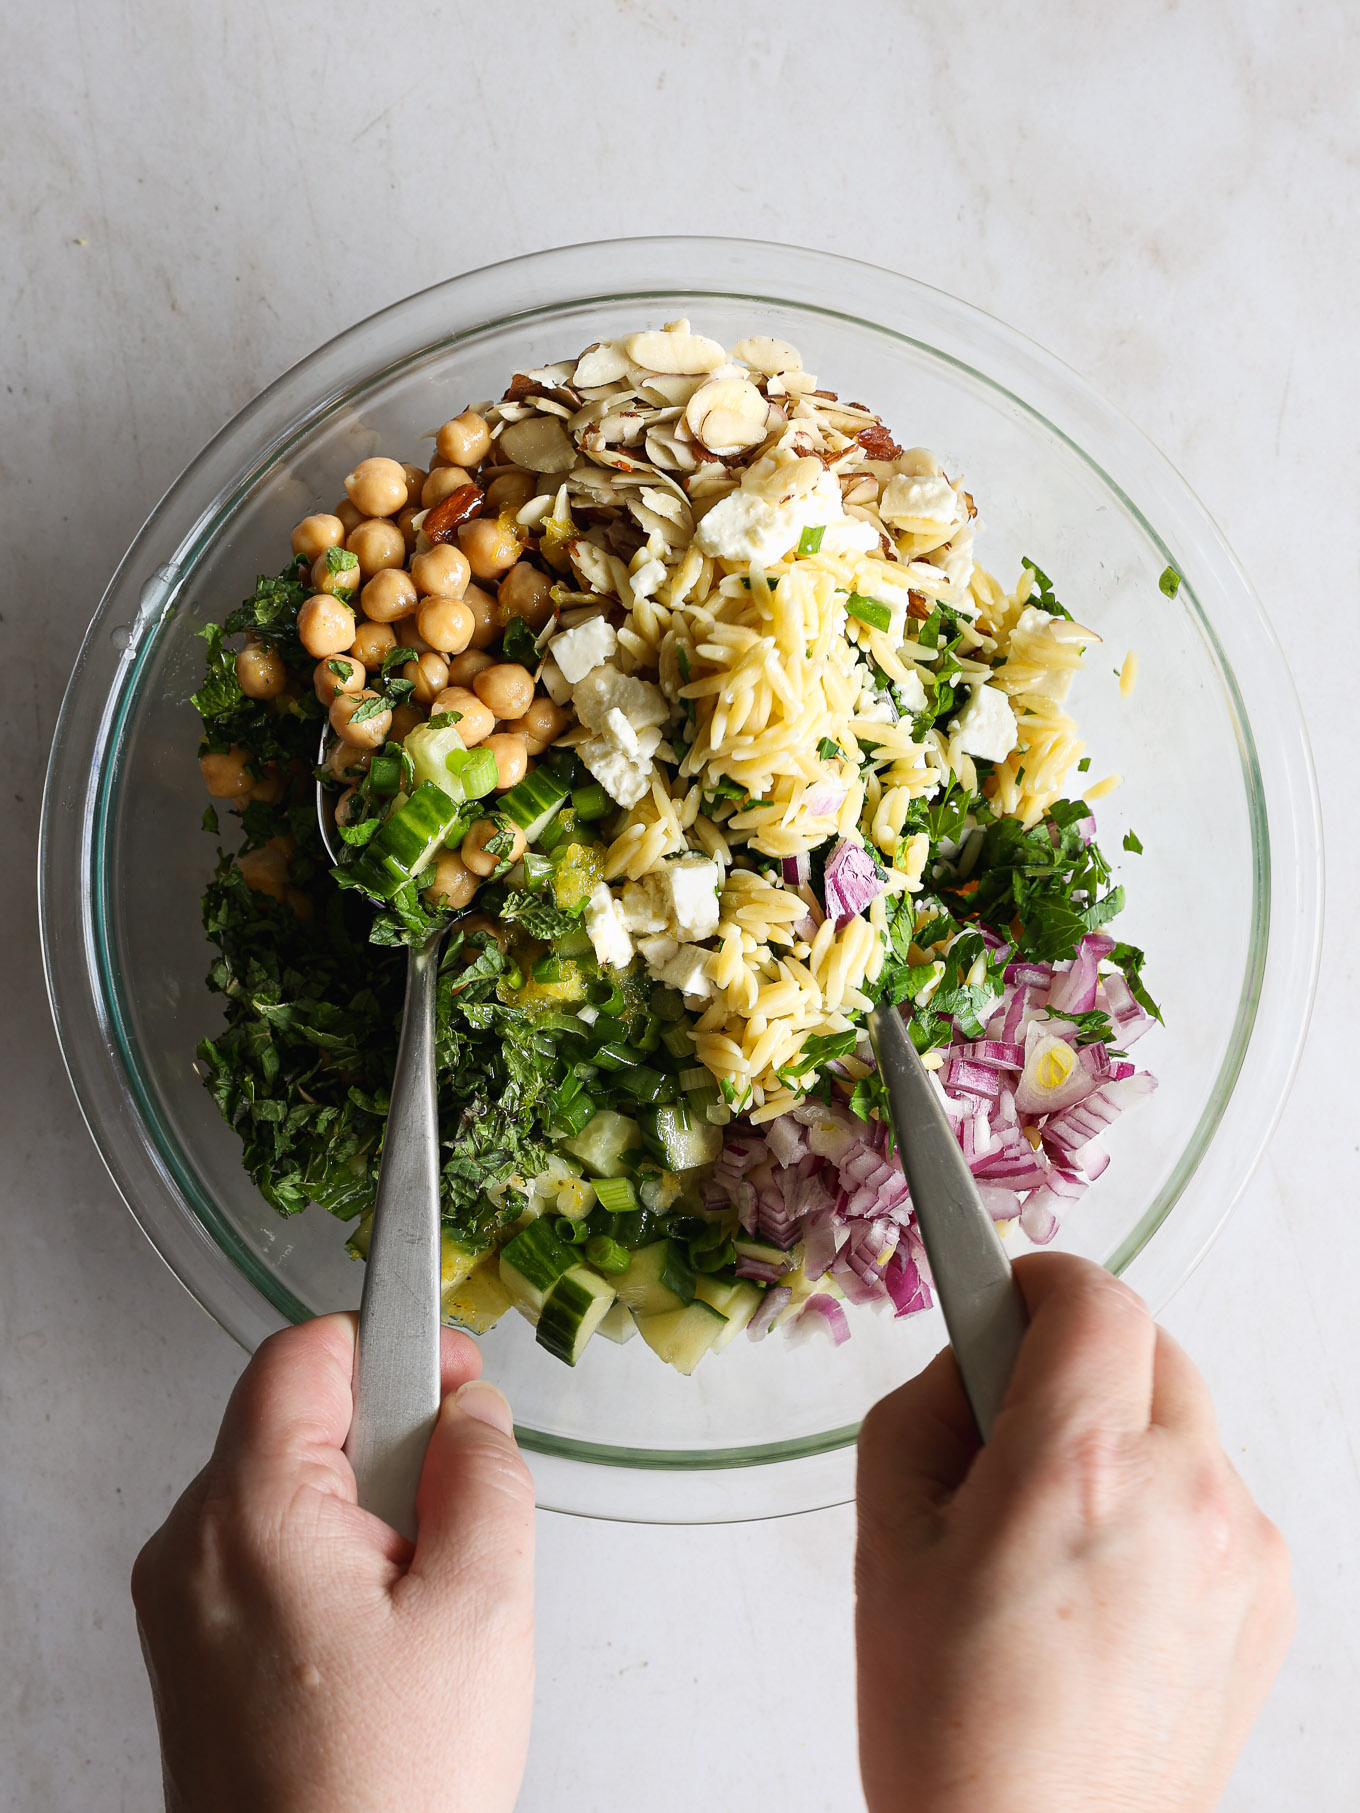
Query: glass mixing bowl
[[1217, 784]]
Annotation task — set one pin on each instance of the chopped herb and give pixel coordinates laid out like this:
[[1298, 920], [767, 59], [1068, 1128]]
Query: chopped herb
[[870, 611], [810, 541], [828, 749], [210, 820], [1042, 594], [341, 560], [1170, 582], [1084, 765], [1131, 843], [519, 644]]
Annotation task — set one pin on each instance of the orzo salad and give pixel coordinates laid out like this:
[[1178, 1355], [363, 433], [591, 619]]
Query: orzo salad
[[670, 685]]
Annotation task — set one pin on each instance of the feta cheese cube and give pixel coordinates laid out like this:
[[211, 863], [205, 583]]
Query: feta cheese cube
[[686, 971], [644, 908], [986, 725], [618, 727], [658, 951], [625, 778], [605, 928], [586, 646], [919, 504], [853, 536], [691, 886], [605, 688]]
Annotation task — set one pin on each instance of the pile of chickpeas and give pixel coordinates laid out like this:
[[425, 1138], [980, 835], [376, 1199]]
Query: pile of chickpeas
[[450, 603]]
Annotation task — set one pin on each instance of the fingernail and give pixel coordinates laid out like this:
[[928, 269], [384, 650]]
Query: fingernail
[[480, 1399]]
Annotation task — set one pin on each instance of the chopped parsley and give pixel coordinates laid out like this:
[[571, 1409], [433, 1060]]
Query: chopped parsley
[[1170, 582]]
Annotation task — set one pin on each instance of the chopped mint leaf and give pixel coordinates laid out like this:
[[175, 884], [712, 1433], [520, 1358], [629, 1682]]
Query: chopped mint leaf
[[1170, 582], [340, 560], [519, 644], [1131, 843], [828, 749], [1042, 595], [1083, 766], [210, 820]]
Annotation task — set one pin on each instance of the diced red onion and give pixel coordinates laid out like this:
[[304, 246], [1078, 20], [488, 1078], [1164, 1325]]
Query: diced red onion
[[797, 870], [1001, 1205], [777, 1298], [1000, 1054], [786, 1140], [759, 1270], [851, 881], [824, 1311], [1028, 975], [1038, 1220], [1034, 1097]]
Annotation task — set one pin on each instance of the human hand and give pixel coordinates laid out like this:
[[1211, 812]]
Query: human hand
[[302, 1655], [1085, 1614]]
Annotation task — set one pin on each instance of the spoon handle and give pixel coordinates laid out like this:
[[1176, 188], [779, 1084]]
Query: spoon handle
[[983, 1308], [396, 1360]]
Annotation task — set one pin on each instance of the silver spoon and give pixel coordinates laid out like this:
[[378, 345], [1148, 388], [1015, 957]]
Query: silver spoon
[[396, 1359], [983, 1308]]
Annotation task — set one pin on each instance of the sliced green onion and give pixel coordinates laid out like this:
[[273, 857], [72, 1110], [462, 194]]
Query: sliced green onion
[[474, 770], [648, 1037], [698, 1079], [607, 1255], [666, 1003], [548, 968], [869, 610], [679, 1041], [575, 1115], [810, 541], [575, 1231], [591, 802], [384, 775], [714, 1258], [616, 1056], [616, 1194], [647, 1085]]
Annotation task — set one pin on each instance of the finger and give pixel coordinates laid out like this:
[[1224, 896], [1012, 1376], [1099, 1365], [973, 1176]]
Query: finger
[[475, 1505], [460, 1360], [916, 1445], [290, 1412], [1181, 1402], [1086, 1362]]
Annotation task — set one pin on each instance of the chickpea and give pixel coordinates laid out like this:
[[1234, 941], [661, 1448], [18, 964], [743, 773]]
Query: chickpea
[[509, 490], [408, 636], [377, 486], [268, 788], [512, 760], [224, 773], [526, 593], [429, 674], [377, 544], [443, 481], [371, 644], [300, 903], [476, 923], [454, 883], [506, 688], [325, 626], [261, 672], [442, 569], [415, 480], [406, 522], [371, 733], [264, 871], [541, 724], [475, 722], [342, 579], [327, 683], [405, 717], [314, 534], [464, 668], [475, 853], [492, 548], [347, 806], [464, 440], [389, 595], [345, 761], [446, 624], [348, 514], [483, 607]]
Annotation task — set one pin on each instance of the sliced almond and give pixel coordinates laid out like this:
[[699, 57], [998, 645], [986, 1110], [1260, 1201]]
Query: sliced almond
[[540, 444], [674, 353], [728, 415], [603, 363], [764, 354]]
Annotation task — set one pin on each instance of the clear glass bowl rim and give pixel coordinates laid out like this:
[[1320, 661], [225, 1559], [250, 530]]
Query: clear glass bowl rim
[[82, 779]]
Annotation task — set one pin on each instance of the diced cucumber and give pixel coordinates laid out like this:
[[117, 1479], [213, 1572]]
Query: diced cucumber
[[455, 1262], [601, 1144], [429, 750], [573, 1309], [575, 943], [677, 1138], [533, 802], [681, 1337], [404, 843], [532, 1263], [738, 1301], [658, 1277], [480, 1301], [617, 1323]]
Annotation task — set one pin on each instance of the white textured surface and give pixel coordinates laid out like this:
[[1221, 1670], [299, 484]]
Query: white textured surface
[[196, 196]]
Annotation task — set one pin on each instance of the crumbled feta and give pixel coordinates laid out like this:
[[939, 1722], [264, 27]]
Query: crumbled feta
[[657, 952], [679, 966], [624, 777], [853, 536], [647, 576], [911, 691], [986, 725], [746, 527], [618, 727], [691, 882], [1032, 619], [875, 707], [919, 503], [587, 645], [604, 688], [555, 682], [644, 909], [605, 927]]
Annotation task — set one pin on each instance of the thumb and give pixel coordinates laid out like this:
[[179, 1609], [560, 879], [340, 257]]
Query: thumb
[[475, 1506]]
